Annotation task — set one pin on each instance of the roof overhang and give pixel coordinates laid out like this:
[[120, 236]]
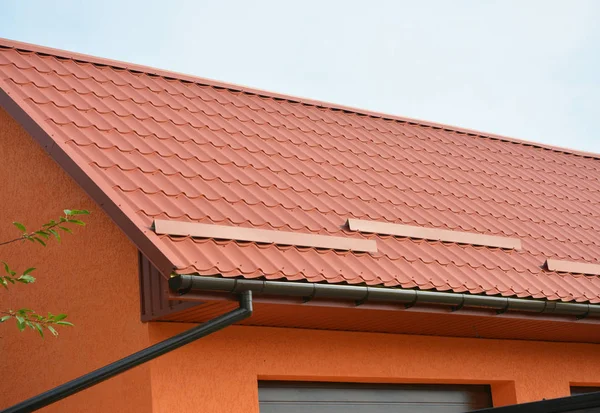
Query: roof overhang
[[344, 307], [327, 310], [362, 309]]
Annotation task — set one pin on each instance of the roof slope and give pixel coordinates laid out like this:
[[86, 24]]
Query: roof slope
[[167, 146]]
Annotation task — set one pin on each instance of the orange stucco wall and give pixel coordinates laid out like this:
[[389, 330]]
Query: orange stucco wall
[[220, 372], [92, 277]]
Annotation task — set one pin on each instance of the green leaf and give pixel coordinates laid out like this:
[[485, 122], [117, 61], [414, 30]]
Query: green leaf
[[76, 222], [20, 226], [7, 268], [39, 329], [59, 317], [9, 279], [40, 241], [64, 323], [67, 211], [23, 311], [42, 234], [56, 234], [50, 224], [26, 279], [28, 270], [3, 282], [52, 330], [3, 319], [20, 323], [80, 212], [66, 229]]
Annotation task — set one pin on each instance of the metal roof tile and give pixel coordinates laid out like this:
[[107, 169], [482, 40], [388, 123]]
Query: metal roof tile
[[180, 148]]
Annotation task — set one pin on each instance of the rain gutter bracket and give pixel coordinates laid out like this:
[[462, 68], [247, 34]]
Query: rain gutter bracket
[[412, 303], [362, 300], [581, 317], [310, 297], [458, 307], [503, 310]]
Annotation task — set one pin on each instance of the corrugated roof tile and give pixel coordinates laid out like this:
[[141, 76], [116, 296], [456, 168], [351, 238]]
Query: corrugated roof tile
[[174, 149]]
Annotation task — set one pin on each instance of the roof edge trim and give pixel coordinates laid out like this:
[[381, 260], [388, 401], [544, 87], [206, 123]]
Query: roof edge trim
[[198, 230], [111, 205], [433, 234], [118, 64], [183, 284]]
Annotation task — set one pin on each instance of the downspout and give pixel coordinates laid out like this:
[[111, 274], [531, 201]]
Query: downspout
[[97, 376], [182, 284]]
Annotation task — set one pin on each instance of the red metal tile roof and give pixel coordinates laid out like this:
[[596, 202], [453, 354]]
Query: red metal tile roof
[[161, 145]]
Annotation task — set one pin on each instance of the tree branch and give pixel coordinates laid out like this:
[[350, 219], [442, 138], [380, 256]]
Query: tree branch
[[25, 317], [49, 229], [29, 318], [12, 240]]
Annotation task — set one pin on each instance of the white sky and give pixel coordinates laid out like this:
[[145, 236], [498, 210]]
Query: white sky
[[527, 69]]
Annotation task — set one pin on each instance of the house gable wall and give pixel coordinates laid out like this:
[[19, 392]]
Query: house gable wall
[[92, 276]]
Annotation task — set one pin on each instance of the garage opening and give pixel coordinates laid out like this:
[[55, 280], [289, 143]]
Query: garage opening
[[583, 389], [301, 397]]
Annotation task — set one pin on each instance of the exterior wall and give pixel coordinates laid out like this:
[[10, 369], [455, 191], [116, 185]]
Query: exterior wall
[[219, 373], [92, 276]]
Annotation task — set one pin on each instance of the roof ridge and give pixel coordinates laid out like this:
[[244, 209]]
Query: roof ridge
[[132, 67]]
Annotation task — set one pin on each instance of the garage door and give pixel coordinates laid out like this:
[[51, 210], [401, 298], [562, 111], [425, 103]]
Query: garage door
[[582, 390], [280, 397]]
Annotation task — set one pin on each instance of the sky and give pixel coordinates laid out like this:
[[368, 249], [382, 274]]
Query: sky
[[526, 69]]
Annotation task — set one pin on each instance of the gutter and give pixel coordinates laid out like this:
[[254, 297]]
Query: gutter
[[183, 284], [97, 376]]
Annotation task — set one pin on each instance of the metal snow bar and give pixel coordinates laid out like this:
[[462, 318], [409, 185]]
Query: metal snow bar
[[268, 236], [433, 234], [361, 294], [580, 403], [135, 359], [573, 267]]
